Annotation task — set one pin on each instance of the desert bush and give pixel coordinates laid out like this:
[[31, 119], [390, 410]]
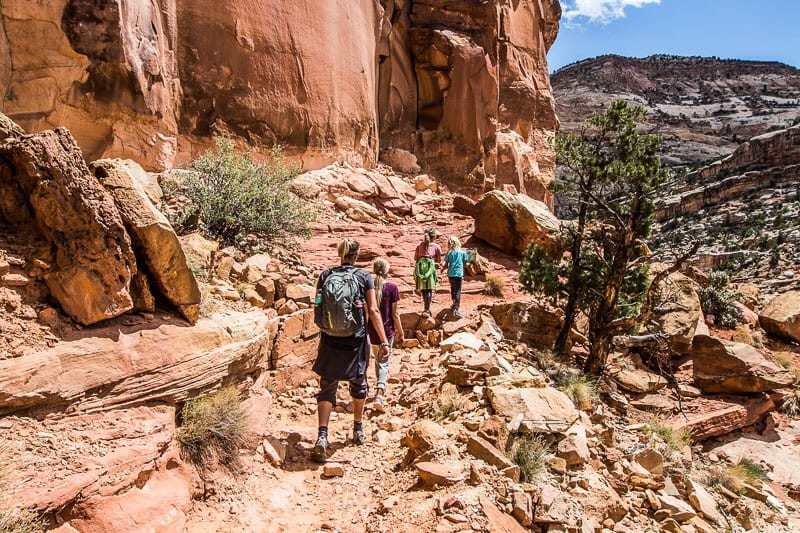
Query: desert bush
[[213, 427], [718, 300], [494, 285], [230, 194], [530, 452], [671, 439]]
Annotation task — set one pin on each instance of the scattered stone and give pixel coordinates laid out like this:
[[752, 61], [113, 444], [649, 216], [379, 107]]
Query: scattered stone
[[574, 449], [485, 451], [15, 280], [460, 341], [703, 502], [522, 508], [433, 474], [677, 508], [650, 460], [332, 470], [423, 436]]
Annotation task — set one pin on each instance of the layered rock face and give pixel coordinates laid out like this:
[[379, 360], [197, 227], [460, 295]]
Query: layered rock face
[[330, 81]]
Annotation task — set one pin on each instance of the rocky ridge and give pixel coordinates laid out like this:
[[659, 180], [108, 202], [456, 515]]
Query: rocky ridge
[[702, 107], [744, 209]]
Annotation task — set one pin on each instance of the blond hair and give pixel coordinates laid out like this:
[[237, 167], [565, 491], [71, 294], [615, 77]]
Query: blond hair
[[453, 243], [348, 250], [380, 268]]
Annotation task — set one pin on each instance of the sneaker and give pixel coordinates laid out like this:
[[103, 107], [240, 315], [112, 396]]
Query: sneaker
[[320, 452], [377, 404], [359, 437], [457, 314]]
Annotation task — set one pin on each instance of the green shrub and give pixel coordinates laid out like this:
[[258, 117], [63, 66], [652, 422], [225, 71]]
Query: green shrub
[[213, 427], [791, 405], [230, 194], [718, 300], [530, 452]]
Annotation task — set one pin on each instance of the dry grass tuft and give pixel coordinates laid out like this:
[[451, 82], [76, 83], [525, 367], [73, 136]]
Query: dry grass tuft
[[448, 402], [494, 285], [530, 452], [734, 477], [214, 428], [671, 439]]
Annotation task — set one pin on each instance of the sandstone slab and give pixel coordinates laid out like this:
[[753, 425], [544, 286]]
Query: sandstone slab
[[704, 503], [726, 367], [720, 417], [487, 452], [167, 363], [439, 474]]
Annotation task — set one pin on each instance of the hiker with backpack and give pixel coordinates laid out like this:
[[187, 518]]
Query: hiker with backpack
[[387, 295], [454, 260], [427, 255], [345, 300]]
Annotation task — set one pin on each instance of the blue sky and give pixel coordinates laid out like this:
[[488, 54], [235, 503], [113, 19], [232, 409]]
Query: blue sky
[[740, 29]]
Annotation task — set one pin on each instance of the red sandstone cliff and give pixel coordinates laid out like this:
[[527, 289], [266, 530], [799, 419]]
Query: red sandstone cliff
[[463, 85]]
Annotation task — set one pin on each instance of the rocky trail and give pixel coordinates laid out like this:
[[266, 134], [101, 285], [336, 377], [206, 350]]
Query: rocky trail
[[106, 338]]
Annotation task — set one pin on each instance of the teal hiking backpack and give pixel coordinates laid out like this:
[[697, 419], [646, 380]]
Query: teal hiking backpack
[[340, 308]]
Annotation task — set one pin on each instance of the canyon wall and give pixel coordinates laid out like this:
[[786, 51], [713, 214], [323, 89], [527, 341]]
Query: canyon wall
[[463, 85]]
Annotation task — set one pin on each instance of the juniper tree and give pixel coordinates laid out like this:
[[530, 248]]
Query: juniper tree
[[611, 174]]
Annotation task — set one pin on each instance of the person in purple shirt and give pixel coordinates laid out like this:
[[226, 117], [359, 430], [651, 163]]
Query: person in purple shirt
[[387, 295]]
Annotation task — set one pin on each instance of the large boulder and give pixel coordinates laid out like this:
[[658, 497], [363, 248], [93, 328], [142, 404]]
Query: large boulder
[[732, 367], [781, 317], [680, 312], [152, 235], [511, 222], [528, 322], [94, 260]]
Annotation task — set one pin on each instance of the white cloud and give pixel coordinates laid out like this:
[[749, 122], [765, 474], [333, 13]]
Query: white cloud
[[602, 11]]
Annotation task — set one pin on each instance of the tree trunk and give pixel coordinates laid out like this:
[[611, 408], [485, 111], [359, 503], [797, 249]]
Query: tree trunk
[[574, 282], [598, 355]]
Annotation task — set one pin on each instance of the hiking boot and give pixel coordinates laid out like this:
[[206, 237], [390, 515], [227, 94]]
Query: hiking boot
[[320, 452], [359, 437], [377, 404], [457, 314]]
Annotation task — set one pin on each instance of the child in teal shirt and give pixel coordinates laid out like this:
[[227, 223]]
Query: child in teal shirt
[[454, 260]]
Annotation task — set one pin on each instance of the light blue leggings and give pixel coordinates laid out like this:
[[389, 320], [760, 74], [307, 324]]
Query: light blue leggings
[[382, 369]]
